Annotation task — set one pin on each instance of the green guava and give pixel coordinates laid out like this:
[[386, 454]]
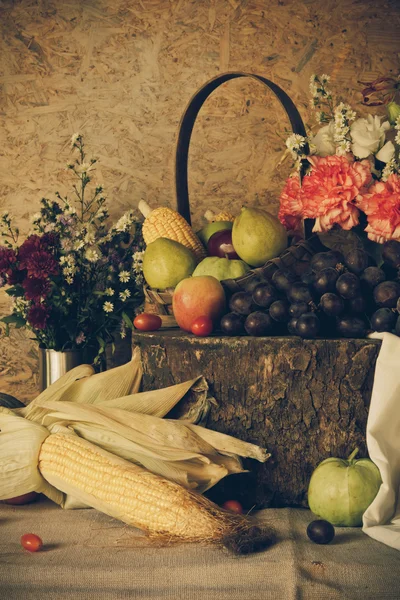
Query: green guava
[[166, 263], [221, 268]]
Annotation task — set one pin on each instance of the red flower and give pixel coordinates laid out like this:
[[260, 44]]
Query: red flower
[[32, 244], [382, 206], [40, 265], [7, 261], [329, 192], [37, 316], [291, 206], [35, 288]]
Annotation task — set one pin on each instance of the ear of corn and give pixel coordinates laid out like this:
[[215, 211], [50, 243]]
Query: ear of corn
[[20, 443], [167, 223], [221, 216], [132, 494]]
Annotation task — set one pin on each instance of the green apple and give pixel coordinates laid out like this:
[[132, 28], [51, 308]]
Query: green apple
[[166, 263], [340, 491], [208, 230], [221, 268]]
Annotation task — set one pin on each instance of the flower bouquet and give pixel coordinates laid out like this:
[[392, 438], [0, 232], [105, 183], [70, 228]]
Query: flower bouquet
[[350, 184], [75, 282]]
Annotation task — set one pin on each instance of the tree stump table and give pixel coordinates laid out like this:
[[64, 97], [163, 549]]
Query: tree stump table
[[303, 400]]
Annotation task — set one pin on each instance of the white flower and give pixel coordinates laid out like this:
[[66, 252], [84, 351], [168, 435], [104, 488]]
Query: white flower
[[36, 217], [69, 280], [108, 307], [124, 295], [368, 135], [125, 222], [324, 140], [386, 153], [92, 254], [84, 168], [137, 262], [70, 210], [79, 244], [124, 276], [75, 137], [109, 291]]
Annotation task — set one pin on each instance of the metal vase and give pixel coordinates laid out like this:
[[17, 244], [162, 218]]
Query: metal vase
[[54, 364]]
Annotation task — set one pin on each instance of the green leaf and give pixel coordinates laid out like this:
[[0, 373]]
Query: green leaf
[[18, 321], [339, 239], [16, 291], [127, 320]]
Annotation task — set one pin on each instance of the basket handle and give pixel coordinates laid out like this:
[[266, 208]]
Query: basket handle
[[188, 120]]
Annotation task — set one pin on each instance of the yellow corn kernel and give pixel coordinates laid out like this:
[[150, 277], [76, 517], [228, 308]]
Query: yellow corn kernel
[[129, 492]]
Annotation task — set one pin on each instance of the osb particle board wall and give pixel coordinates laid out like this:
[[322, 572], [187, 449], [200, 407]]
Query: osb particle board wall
[[122, 71]]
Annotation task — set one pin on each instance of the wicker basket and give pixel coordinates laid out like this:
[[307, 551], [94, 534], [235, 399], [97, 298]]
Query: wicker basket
[[295, 258]]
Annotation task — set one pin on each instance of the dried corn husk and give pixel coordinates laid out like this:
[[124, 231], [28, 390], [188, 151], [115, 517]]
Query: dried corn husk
[[20, 443]]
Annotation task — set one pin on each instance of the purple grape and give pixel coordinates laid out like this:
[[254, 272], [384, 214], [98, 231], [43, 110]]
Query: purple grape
[[383, 319], [282, 280], [326, 281], [241, 303], [331, 304], [298, 308], [348, 286], [372, 277], [308, 325], [324, 260], [357, 260], [259, 323], [299, 292], [309, 277], [292, 326], [279, 311], [264, 295], [386, 294], [357, 305], [351, 327], [232, 324], [320, 531], [391, 253]]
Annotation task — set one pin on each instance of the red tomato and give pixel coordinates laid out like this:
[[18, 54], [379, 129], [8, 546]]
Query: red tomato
[[202, 326], [31, 542], [147, 322], [24, 499], [234, 506]]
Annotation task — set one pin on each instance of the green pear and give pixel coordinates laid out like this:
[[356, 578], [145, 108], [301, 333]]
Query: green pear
[[258, 236], [208, 230], [166, 263]]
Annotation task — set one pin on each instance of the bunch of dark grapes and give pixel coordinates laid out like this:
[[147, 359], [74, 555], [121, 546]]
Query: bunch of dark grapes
[[341, 295]]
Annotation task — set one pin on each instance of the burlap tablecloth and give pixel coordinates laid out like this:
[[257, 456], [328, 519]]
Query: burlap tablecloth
[[87, 555]]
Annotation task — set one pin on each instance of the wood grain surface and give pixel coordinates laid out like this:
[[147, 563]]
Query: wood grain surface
[[122, 71]]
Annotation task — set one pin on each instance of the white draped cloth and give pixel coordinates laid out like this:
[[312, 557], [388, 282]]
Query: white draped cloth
[[381, 520]]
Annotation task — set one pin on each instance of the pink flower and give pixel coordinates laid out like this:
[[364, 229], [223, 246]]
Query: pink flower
[[328, 194], [7, 261], [37, 316], [40, 265], [381, 204], [291, 207], [35, 288]]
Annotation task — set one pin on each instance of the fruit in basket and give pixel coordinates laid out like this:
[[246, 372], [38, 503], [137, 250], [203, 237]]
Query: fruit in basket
[[163, 222], [221, 268], [264, 295], [258, 236], [340, 491], [221, 216], [220, 244], [324, 260], [348, 286], [208, 230], [166, 263], [391, 253], [196, 297], [357, 260]]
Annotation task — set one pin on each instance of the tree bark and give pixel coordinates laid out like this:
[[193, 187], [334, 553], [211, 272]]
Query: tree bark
[[303, 400]]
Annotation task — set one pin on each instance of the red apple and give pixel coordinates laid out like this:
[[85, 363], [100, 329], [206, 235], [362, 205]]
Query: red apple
[[195, 297], [23, 499], [220, 244]]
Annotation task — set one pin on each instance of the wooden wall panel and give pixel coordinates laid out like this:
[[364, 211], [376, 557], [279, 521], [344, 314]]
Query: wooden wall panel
[[122, 71]]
